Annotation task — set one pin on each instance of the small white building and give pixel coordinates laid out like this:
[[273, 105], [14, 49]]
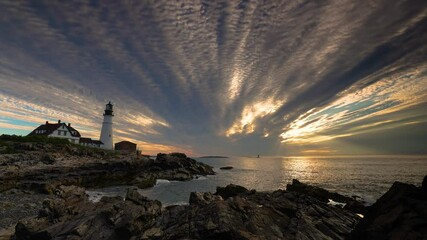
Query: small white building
[[58, 130], [88, 142]]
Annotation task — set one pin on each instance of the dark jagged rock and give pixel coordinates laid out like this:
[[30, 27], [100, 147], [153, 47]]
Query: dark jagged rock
[[277, 215], [258, 215], [324, 196], [71, 216], [177, 166], [424, 184], [401, 213], [230, 190], [226, 168], [203, 198]]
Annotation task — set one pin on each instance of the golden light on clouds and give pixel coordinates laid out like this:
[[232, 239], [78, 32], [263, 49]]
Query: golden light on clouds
[[246, 123], [391, 94]]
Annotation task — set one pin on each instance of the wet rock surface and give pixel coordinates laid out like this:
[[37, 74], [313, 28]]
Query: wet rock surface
[[401, 213]]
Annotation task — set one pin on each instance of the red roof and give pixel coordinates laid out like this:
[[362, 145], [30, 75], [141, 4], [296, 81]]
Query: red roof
[[126, 143]]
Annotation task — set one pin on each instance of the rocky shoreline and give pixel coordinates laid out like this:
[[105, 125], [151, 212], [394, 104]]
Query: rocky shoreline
[[43, 167], [232, 212], [31, 171], [42, 196]]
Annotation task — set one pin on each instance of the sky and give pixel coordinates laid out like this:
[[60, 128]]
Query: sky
[[222, 77]]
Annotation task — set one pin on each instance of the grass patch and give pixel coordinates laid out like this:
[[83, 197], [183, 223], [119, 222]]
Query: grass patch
[[33, 139]]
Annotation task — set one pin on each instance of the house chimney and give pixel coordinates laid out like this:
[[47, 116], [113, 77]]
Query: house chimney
[[59, 121], [47, 122], [69, 124]]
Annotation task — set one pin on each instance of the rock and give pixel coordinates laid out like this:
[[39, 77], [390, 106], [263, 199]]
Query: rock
[[277, 215], [89, 167], [71, 216], [401, 213], [230, 190], [324, 195], [355, 206], [246, 215], [199, 198], [47, 159], [177, 166], [226, 168], [424, 184]]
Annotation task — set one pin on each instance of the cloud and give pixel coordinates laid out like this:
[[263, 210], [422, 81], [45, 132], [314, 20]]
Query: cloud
[[393, 94], [190, 74]]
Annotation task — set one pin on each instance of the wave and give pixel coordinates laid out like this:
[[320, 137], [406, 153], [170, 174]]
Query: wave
[[200, 178], [162, 181]]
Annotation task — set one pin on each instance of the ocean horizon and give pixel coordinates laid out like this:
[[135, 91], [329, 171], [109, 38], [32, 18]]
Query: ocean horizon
[[364, 177]]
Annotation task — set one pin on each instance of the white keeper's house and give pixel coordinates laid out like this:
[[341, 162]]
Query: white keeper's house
[[62, 130], [59, 130]]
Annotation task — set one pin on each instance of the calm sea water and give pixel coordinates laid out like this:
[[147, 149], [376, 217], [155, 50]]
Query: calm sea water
[[366, 177]]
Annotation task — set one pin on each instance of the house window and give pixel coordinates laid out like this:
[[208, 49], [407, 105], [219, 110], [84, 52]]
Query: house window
[[59, 132], [65, 133]]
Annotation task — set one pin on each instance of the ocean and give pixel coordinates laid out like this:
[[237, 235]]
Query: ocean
[[367, 177]]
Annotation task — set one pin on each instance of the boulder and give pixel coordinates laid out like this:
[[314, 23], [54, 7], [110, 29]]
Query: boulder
[[230, 190], [203, 198], [401, 213], [177, 166]]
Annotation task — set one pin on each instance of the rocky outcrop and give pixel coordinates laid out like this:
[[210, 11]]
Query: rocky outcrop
[[177, 166], [230, 190], [401, 213], [71, 216], [324, 196], [35, 169], [253, 215], [245, 215]]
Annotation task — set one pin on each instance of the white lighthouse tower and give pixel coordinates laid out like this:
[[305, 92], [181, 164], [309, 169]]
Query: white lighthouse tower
[[107, 127]]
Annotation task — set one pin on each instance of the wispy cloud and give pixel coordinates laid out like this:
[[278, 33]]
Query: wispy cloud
[[190, 74], [390, 95]]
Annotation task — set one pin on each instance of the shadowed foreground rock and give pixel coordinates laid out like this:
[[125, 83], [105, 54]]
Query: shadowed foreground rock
[[72, 216], [324, 196], [244, 215], [401, 213]]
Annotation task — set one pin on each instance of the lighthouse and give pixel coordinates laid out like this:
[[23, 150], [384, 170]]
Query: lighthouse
[[107, 127]]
